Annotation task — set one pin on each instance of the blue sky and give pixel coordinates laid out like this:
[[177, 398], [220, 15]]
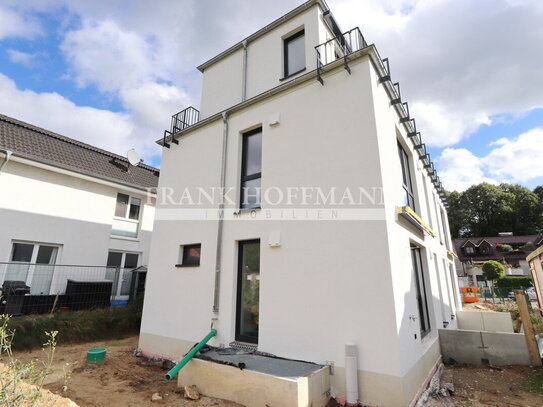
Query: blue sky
[[110, 73]]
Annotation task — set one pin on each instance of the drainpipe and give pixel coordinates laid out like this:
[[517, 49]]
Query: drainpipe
[[351, 374], [244, 78], [221, 209], [7, 157]]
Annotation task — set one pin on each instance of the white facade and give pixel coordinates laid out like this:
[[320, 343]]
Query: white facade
[[45, 205], [323, 281]]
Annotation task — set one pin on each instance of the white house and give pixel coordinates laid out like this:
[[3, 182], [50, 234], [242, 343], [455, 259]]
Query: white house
[[69, 210], [346, 241]]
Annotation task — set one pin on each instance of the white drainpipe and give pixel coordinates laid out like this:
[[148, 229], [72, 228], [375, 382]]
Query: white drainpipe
[[244, 73], [7, 154], [351, 374]]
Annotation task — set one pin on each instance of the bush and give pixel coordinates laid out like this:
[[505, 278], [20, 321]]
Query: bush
[[514, 282], [528, 246], [76, 326], [504, 248], [493, 270]]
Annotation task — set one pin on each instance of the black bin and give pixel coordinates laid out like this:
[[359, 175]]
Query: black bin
[[13, 297]]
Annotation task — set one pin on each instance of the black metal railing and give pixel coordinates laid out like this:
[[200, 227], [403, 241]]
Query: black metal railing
[[339, 47], [185, 118]]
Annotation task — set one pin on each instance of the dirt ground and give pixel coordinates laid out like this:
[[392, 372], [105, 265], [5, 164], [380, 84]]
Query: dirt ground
[[123, 380], [127, 381]]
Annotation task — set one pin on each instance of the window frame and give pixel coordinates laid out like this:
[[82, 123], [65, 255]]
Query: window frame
[[250, 177], [421, 291], [184, 250], [286, 41], [126, 216], [407, 175], [118, 284]]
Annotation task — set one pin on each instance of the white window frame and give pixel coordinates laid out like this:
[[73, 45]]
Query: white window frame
[[125, 218], [122, 267]]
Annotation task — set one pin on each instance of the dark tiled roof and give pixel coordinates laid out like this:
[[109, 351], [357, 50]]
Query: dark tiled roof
[[493, 241], [35, 143]]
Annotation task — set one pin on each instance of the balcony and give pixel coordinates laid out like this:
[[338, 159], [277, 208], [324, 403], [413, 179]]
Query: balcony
[[180, 121]]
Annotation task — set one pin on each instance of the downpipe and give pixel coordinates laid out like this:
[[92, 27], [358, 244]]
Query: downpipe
[[244, 72], [216, 293], [7, 157], [351, 374]]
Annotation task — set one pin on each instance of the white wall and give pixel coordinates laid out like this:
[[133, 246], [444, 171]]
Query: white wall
[[44, 206]]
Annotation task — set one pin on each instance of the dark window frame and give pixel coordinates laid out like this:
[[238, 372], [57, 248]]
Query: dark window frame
[[238, 336], [286, 42], [407, 179], [184, 255], [248, 177], [422, 294]]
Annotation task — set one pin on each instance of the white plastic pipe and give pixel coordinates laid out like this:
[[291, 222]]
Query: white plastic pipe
[[351, 374]]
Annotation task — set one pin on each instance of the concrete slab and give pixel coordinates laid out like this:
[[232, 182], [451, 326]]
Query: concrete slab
[[461, 346], [485, 321], [503, 348]]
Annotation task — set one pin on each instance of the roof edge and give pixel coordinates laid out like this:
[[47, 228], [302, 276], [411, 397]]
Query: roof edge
[[290, 15]]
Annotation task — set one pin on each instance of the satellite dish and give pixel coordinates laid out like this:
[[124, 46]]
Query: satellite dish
[[133, 157]]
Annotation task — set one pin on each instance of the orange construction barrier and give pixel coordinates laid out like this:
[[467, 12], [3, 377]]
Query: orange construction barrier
[[469, 294]]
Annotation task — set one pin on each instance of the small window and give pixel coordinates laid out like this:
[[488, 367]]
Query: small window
[[409, 198], [127, 215], [484, 249], [294, 53], [251, 169], [469, 250], [190, 255]]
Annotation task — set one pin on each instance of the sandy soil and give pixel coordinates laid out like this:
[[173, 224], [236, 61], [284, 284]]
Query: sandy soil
[[123, 380], [491, 387]]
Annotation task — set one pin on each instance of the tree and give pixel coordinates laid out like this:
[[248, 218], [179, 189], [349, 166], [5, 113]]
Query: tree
[[457, 214], [524, 216], [493, 270]]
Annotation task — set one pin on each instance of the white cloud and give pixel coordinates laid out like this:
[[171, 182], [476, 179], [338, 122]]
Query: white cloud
[[515, 160], [19, 57], [116, 132], [12, 24]]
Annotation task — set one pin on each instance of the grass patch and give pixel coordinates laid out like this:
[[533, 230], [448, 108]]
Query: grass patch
[[76, 326], [535, 382]]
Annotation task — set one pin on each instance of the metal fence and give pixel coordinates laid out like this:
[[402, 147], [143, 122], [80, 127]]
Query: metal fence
[[31, 288]]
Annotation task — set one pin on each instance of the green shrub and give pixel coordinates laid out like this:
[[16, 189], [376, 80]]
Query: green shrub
[[504, 248], [528, 246], [514, 281], [76, 326], [493, 270]]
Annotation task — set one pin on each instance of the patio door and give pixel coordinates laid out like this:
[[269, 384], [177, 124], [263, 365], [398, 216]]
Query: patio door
[[120, 266], [33, 263], [248, 294]]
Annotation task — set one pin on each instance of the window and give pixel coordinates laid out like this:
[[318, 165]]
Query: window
[[248, 294], [422, 300], [294, 53], [469, 250], [33, 263], [127, 214], [409, 198], [484, 249], [119, 270], [190, 255], [251, 169]]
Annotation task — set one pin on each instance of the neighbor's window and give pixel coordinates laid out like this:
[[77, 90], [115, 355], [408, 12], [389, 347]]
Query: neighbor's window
[[420, 283], [469, 250], [251, 169], [190, 255], [294, 53], [409, 198], [127, 215]]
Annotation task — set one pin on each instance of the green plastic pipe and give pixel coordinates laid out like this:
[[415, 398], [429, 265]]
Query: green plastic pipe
[[171, 374]]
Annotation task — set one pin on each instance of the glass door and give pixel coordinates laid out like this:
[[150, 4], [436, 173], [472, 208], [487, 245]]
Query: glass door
[[119, 270], [43, 270], [248, 294]]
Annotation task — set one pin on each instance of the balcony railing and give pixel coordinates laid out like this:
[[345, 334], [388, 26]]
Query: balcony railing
[[182, 120], [339, 47]]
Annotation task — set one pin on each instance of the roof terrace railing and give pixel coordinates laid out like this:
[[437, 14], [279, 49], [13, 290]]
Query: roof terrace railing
[[185, 118], [339, 47]]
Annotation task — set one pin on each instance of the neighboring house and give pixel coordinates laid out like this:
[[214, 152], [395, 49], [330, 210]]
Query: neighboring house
[[68, 210], [300, 278], [508, 249]]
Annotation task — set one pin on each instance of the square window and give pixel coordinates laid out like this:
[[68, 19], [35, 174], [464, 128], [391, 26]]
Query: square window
[[294, 53], [190, 255]]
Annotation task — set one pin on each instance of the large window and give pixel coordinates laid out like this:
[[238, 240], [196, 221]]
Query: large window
[[294, 53], [127, 215], [119, 270], [409, 198], [251, 169], [422, 300], [33, 263]]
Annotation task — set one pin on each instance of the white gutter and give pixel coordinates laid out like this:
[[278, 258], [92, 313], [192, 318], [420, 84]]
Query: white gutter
[[118, 186], [7, 154], [216, 293]]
